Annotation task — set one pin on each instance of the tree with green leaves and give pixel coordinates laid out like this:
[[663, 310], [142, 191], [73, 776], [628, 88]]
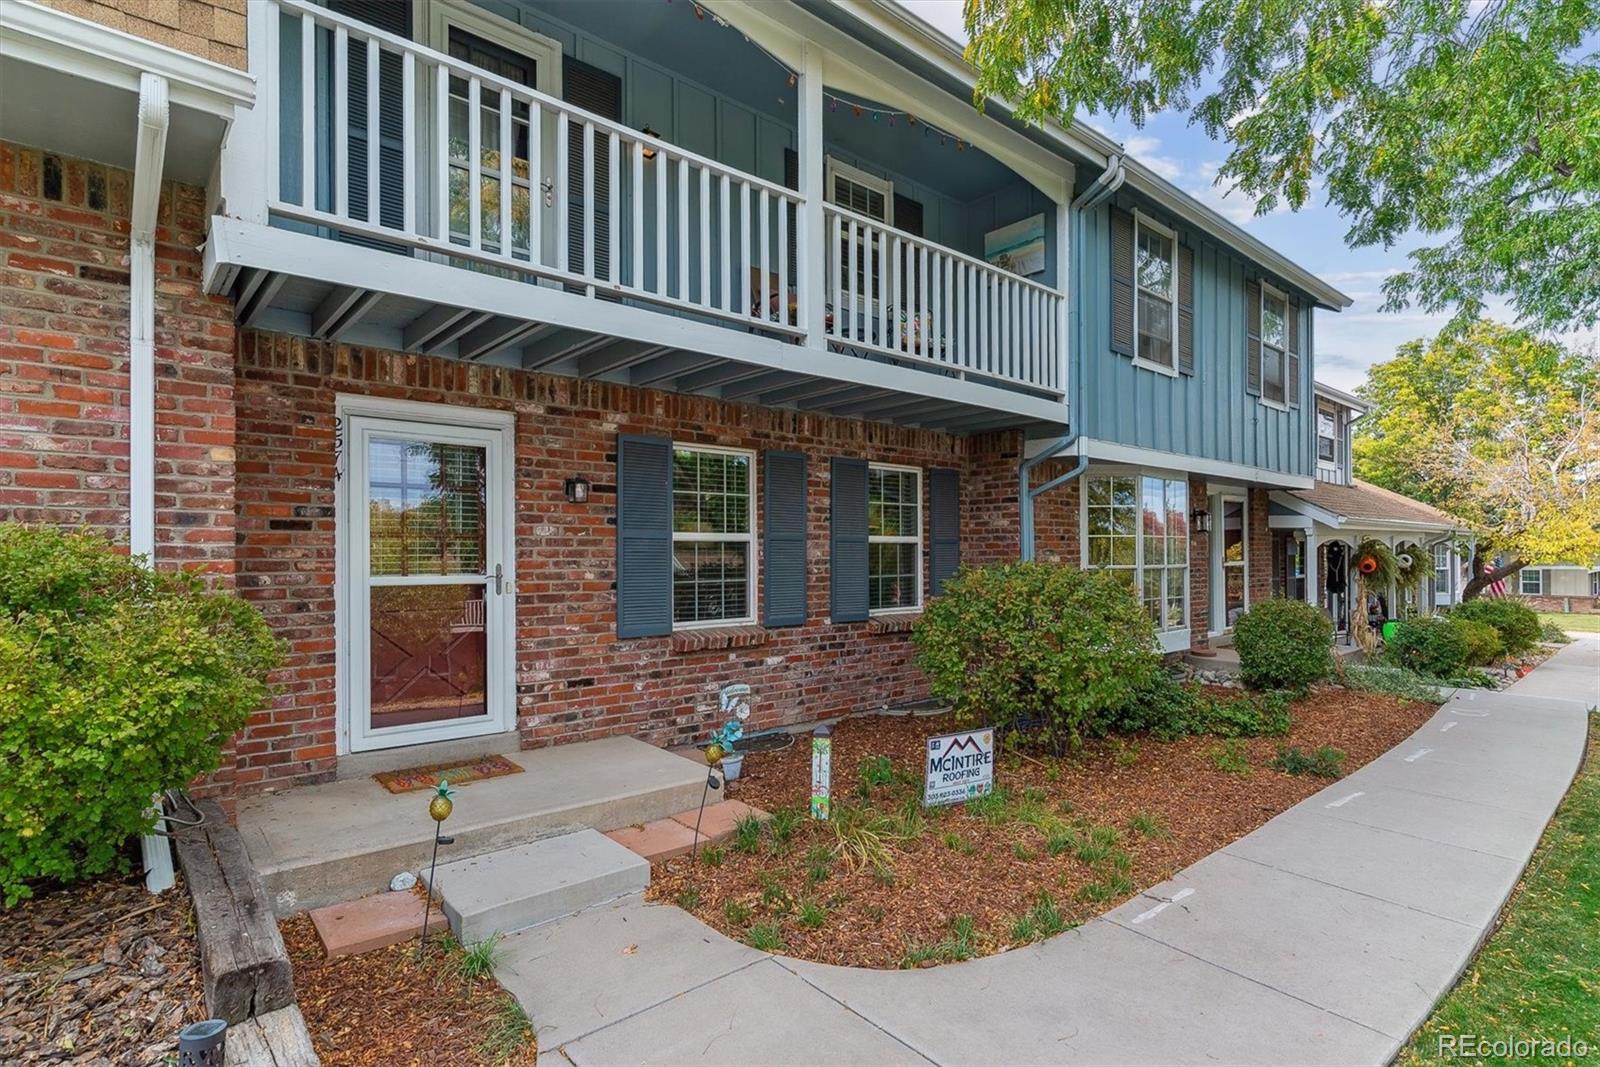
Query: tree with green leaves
[[1476, 124], [1501, 429]]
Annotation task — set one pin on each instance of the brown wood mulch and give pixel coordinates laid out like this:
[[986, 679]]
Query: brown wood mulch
[[961, 864], [97, 974], [384, 1008]]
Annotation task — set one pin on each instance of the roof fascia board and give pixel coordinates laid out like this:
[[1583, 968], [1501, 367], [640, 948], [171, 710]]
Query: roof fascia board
[[44, 36]]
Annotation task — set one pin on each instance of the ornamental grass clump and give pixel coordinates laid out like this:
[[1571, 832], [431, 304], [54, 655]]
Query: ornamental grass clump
[[116, 683], [1037, 649], [1283, 644]]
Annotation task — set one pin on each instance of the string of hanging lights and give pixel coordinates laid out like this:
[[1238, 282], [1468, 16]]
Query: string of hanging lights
[[856, 108]]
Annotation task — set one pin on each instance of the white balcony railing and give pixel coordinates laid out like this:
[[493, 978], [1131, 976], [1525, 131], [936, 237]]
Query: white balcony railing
[[379, 139], [897, 294], [591, 203]]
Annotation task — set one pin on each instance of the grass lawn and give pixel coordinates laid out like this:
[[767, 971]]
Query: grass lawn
[[1574, 621], [1538, 975]]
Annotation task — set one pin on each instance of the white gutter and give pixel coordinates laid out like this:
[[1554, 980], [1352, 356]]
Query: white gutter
[[149, 156]]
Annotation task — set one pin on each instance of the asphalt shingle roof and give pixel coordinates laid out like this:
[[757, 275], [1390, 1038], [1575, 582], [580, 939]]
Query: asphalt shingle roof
[[1363, 500]]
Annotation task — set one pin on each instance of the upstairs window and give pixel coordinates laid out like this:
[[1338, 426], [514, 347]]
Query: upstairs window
[[1327, 436], [1274, 342], [856, 190], [1155, 294]]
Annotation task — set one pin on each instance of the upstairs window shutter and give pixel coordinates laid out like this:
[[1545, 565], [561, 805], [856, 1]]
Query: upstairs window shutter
[[791, 180], [1252, 337], [847, 534], [1292, 356], [389, 139], [1121, 282], [598, 91], [1185, 309], [944, 524], [644, 536], [908, 214], [783, 539]]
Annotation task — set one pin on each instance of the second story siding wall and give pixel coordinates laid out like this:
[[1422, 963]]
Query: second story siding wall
[[1208, 414]]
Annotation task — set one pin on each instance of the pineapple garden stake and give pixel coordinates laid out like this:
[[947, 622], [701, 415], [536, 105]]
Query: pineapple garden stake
[[439, 808], [720, 746]]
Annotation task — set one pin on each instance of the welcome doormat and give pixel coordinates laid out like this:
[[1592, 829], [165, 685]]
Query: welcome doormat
[[460, 772]]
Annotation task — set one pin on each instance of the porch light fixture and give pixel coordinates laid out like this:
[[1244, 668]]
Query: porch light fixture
[[578, 490], [1200, 520], [647, 150]]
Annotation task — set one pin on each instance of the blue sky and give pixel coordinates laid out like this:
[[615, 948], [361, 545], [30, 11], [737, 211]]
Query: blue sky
[[1348, 342]]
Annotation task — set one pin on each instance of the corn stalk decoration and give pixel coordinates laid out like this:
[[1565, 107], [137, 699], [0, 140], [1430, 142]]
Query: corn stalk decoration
[[1376, 566]]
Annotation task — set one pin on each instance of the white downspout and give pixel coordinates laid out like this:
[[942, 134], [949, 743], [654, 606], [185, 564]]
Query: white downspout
[[149, 156]]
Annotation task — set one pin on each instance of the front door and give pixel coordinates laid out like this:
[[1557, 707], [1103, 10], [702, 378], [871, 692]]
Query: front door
[[425, 571]]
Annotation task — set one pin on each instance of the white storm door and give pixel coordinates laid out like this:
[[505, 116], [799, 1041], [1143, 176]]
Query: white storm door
[[426, 568]]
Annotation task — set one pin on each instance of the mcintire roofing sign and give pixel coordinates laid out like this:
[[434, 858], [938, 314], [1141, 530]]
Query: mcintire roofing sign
[[959, 767]]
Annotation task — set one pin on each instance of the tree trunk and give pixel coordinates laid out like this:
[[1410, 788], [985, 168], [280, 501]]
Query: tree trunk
[[1483, 574]]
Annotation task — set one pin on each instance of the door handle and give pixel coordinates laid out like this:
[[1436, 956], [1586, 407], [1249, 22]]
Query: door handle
[[499, 579]]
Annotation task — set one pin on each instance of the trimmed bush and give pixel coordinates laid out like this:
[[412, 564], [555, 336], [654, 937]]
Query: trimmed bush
[[1517, 623], [1283, 644], [1430, 645], [1037, 648], [1163, 707], [119, 683], [1483, 642]]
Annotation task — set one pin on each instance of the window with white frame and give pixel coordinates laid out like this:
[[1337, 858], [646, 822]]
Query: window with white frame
[[1138, 528], [894, 538], [1594, 583], [856, 190], [1441, 570], [713, 536], [1155, 278], [1327, 436], [1274, 343], [1531, 582]]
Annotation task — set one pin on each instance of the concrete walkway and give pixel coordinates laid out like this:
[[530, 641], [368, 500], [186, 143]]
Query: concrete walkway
[[1326, 936]]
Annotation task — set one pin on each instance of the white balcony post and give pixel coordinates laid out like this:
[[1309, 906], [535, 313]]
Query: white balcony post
[[248, 156], [1063, 355], [808, 238]]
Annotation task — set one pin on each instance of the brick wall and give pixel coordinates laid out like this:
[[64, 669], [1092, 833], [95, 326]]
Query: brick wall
[[1199, 569], [64, 361], [1570, 604], [211, 29], [575, 679], [1260, 546]]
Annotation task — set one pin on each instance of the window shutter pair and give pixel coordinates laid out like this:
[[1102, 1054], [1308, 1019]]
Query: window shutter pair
[[1123, 293], [847, 556], [1252, 337], [644, 537]]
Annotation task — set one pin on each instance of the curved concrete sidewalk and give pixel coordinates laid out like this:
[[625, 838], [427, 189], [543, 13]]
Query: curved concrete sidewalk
[[1326, 936]]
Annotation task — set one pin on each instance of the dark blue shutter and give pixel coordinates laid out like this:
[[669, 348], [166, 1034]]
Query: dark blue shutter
[[783, 539], [644, 536], [944, 523], [390, 135], [847, 557]]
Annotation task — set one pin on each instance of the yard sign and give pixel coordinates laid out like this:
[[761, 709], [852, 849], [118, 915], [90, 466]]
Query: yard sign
[[960, 767]]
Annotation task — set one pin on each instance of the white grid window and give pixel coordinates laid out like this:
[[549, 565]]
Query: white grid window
[[1441, 570], [1274, 341], [1138, 528], [1155, 278], [1532, 582], [713, 536], [1327, 436], [894, 538]]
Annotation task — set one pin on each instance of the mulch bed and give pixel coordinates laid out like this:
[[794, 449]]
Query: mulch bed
[[994, 870], [385, 1009], [99, 973]]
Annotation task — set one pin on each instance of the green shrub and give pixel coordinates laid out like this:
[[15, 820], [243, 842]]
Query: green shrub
[[1038, 648], [1247, 714], [118, 683], [1163, 707], [1483, 642], [1431, 645], [1551, 633], [1517, 623], [1324, 762], [1283, 644], [1392, 681]]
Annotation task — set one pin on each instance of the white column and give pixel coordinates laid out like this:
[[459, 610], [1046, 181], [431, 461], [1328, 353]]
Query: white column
[[1063, 351], [809, 242], [1311, 564]]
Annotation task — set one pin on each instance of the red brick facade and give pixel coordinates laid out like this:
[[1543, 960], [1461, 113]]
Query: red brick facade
[[575, 680], [64, 320], [1580, 605], [1199, 568], [1259, 545]]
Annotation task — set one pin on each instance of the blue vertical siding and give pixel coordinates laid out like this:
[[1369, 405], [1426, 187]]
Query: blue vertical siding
[[1207, 414]]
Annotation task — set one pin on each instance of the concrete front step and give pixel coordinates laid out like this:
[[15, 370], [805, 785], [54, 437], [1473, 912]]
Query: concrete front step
[[514, 888], [322, 844]]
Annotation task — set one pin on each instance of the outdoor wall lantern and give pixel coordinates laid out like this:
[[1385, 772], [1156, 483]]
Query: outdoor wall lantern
[[648, 151], [1200, 520], [578, 490]]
